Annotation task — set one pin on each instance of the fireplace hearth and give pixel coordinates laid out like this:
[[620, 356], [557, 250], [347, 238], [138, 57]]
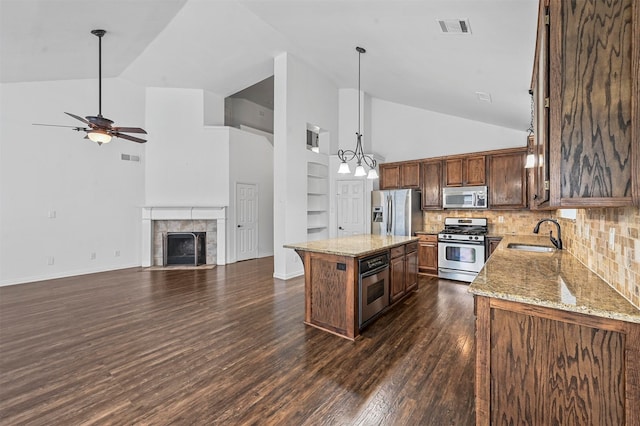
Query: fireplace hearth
[[184, 248]]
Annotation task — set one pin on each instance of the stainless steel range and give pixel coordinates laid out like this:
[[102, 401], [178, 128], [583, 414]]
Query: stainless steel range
[[461, 248]]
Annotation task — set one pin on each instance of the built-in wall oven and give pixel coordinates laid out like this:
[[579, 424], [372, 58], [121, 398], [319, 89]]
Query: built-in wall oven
[[461, 248], [373, 287]]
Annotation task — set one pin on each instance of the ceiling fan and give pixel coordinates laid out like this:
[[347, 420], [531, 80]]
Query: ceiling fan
[[98, 128]]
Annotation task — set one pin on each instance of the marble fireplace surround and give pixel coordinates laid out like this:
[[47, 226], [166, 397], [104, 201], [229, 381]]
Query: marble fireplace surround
[[151, 214]]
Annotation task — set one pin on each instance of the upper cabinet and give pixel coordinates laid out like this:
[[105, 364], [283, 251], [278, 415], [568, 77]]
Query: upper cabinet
[[585, 87], [431, 185], [465, 171], [400, 175], [508, 180]]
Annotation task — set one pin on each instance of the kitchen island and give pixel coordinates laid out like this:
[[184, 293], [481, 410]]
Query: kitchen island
[[555, 344], [332, 270]]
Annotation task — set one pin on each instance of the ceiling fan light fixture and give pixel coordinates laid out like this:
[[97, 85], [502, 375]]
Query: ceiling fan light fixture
[[99, 136]]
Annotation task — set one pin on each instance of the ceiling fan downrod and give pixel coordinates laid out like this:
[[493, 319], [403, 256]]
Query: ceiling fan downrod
[[99, 34]]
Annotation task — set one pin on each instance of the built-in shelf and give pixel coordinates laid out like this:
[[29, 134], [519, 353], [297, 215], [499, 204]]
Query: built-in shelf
[[317, 201]]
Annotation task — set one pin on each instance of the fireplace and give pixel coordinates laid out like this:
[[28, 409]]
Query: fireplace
[[158, 221], [184, 248]]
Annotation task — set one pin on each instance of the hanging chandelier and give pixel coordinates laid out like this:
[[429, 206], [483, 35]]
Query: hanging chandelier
[[358, 153]]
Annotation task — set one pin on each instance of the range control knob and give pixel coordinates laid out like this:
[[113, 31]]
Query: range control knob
[[475, 238]]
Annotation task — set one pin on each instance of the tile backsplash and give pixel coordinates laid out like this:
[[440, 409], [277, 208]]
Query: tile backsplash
[[588, 238], [500, 222], [607, 241]]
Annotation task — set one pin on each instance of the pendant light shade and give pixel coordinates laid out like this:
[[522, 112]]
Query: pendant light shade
[[344, 168], [358, 153]]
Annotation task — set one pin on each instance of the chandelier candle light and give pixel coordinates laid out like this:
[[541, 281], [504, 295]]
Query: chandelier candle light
[[358, 153]]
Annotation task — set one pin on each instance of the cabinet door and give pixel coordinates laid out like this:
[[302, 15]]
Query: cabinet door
[[508, 181], [410, 175], [397, 278], [428, 255], [594, 123], [389, 176], [492, 243], [432, 185], [453, 172], [411, 271], [474, 171]]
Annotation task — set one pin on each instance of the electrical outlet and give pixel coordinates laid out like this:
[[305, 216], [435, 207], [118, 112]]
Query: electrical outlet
[[439, 217], [93, 255], [116, 253], [50, 260], [612, 238], [51, 214], [500, 219]]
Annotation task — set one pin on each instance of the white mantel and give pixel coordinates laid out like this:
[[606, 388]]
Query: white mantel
[[149, 214]]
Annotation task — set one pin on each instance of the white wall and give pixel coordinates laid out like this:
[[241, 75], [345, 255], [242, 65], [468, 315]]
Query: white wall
[[251, 162], [401, 132], [95, 195], [213, 109], [301, 95], [187, 163]]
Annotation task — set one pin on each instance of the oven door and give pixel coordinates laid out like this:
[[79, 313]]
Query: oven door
[[374, 294], [460, 261]]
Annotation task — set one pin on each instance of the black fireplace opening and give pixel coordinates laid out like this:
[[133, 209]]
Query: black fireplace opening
[[185, 248]]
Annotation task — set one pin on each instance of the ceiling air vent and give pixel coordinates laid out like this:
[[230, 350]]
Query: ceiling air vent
[[454, 26]]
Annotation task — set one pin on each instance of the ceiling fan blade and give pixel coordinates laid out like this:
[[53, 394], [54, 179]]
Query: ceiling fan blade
[[127, 137], [76, 128], [129, 130], [77, 117]]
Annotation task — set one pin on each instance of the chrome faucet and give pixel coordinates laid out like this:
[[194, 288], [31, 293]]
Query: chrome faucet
[[557, 243]]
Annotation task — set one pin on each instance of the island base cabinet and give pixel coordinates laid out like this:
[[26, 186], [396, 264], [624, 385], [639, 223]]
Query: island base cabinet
[[330, 287], [537, 365]]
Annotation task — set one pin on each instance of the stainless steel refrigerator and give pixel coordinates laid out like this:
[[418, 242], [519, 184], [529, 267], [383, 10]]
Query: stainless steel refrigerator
[[396, 212]]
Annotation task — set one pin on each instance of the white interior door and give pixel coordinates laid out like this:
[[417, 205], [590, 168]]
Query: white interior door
[[246, 221], [350, 207]]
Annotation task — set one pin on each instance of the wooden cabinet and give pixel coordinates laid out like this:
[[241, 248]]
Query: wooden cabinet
[[428, 255], [403, 271], [508, 181], [411, 268], [431, 187], [400, 175], [537, 365], [492, 244], [389, 176], [587, 73], [465, 171]]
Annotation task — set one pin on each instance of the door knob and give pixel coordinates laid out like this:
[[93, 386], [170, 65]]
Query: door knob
[[341, 228], [239, 226]]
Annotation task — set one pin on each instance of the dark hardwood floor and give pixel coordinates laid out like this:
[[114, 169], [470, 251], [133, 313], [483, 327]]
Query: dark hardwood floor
[[227, 346]]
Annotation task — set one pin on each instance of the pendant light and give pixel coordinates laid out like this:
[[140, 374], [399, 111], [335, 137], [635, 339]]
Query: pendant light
[[531, 158], [358, 153]]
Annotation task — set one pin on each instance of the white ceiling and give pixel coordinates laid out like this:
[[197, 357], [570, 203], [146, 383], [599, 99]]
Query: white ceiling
[[225, 46]]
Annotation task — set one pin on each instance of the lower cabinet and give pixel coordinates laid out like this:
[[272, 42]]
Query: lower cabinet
[[492, 243], [428, 255], [537, 365], [403, 271]]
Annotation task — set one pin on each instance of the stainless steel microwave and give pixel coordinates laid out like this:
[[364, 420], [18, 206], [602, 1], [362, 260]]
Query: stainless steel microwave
[[464, 197]]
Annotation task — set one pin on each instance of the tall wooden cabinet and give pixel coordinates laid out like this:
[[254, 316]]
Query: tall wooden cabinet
[[585, 85], [431, 185], [508, 180]]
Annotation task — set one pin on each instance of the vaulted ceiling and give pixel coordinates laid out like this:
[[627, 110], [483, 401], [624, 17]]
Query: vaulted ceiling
[[224, 46]]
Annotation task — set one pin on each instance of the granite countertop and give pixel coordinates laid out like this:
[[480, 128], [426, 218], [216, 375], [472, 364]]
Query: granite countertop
[[353, 246], [555, 280]]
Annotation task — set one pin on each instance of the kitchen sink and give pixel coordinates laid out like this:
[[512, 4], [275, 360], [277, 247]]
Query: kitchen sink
[[530, 247]]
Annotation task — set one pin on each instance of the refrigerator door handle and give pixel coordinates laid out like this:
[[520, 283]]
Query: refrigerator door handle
[[391, 214]]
